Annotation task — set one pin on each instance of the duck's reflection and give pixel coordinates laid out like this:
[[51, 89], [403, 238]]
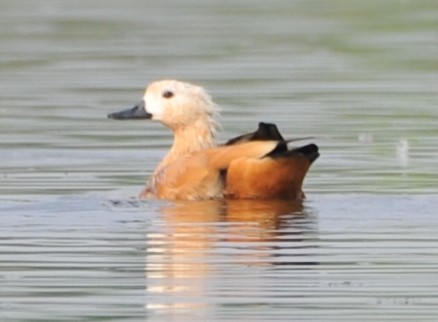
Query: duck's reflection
[[200, 241]]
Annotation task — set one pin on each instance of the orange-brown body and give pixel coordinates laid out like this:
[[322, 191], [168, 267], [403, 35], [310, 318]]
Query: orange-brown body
[[258, 165], [267, 178]]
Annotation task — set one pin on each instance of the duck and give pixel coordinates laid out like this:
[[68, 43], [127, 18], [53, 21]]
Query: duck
[[256, 165]]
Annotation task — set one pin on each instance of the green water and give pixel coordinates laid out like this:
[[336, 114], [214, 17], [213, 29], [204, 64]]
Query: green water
[[361, 77]]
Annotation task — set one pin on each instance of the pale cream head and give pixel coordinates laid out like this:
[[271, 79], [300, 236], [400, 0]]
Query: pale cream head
[[178, 104]]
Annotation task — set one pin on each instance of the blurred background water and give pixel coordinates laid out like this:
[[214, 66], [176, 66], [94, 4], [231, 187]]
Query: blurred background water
[[360, 76]]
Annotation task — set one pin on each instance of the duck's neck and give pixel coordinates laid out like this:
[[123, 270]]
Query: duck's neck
[[188, 139]]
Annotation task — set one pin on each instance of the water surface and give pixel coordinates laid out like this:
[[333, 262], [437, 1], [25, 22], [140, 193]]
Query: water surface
[[75, 244]]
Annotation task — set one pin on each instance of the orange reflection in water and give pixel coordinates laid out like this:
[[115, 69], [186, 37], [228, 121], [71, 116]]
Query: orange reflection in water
[[199, 237]]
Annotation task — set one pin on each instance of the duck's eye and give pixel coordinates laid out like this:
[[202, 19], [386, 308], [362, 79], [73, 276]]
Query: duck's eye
[[167, 94]]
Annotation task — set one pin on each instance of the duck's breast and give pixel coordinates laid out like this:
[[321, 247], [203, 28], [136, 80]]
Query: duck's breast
[[189, 178]]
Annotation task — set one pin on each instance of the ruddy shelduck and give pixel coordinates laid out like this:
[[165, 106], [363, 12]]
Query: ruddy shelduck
[[258, 165]]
